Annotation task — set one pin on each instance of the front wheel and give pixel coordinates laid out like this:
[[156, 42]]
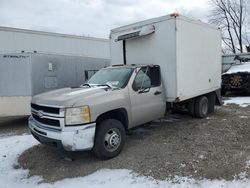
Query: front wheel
[[109, 139]]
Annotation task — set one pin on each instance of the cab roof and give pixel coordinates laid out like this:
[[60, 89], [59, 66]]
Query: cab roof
[[132, 65]]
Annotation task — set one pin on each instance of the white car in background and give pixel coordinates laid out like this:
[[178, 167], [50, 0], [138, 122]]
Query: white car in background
[[237, 78]]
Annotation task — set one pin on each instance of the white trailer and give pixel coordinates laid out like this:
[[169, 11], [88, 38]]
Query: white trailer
[[188, 52], [14, 40], [23, 75], [33, 62]]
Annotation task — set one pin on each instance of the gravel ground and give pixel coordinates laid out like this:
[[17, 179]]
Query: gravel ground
[[213, 148], [13, 126]]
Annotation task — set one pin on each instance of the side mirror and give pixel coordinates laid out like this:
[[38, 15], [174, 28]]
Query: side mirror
[[144, 90]]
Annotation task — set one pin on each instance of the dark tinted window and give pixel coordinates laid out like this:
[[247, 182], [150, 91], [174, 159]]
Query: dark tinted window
[[147, 77], [155, 75], [89, 73]]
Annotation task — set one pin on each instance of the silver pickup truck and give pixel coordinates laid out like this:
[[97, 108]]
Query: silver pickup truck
[[97, 114]]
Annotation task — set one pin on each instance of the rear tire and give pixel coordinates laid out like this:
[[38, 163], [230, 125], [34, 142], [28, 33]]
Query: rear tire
[[109, 139], [201, 107]]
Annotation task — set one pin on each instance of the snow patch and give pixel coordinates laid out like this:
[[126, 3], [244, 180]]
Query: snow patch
[[241, 101], [183, 165], [243, 117], [201, 156], [239, 68], [10, 177]]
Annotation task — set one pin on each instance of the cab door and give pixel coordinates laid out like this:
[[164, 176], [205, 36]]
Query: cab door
[[146, 95]]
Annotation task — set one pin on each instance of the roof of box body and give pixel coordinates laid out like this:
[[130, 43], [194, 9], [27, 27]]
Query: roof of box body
[[132, 66], [160, 19]]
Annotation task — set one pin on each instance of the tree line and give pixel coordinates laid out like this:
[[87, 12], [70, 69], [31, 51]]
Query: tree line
[[233, 18]]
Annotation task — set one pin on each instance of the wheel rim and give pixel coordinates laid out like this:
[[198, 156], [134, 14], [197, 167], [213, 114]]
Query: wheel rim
[[112, 139]]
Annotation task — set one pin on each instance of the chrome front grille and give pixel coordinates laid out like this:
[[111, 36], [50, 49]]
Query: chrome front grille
[[48, 117], [46, 121], [46, 109]]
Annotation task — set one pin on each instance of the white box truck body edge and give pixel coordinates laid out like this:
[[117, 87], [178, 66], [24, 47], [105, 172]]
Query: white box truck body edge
[[188, 51]]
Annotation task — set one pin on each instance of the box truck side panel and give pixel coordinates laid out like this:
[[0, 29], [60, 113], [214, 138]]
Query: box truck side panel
[[198, 58], [156, 48]]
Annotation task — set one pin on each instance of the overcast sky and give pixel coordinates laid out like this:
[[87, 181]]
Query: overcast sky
[[91, 17]]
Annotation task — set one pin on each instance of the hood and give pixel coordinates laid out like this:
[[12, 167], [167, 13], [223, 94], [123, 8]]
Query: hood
[[68, 97]]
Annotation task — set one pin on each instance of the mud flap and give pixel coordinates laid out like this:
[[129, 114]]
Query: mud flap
[[218, 97]]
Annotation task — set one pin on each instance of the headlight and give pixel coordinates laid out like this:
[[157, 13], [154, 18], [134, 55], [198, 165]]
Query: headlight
[[79, 115]]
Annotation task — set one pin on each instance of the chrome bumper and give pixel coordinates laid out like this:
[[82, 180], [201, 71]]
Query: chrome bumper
[[70, 138]]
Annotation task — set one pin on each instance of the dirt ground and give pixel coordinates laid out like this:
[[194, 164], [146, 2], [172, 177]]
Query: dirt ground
[[13, 126], [214, 148]]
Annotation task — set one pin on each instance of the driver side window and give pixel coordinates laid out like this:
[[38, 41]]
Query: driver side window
[[142, 79]]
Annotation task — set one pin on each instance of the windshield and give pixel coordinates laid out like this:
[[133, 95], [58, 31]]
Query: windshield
[[116, 77]]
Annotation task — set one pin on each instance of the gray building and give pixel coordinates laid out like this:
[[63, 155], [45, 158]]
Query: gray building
[[32, 62]]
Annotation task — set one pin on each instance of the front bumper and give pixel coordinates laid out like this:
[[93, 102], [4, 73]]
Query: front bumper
[[68, 138]]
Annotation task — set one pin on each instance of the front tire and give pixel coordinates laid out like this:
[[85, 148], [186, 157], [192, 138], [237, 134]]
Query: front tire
[[109, 139]]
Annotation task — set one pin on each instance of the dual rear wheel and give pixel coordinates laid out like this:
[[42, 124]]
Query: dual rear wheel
[[202, 105]]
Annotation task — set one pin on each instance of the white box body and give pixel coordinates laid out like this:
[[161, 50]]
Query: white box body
[[188, 52]]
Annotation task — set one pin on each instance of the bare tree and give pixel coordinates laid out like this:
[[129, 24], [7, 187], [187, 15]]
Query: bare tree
[[230, 16]]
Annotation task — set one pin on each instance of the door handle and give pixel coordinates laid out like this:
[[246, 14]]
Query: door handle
[[157, 93]]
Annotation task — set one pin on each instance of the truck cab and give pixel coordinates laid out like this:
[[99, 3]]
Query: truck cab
[[97, 114]]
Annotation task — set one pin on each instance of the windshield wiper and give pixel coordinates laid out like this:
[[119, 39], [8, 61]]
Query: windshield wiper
[[109, 86], [86, 84]]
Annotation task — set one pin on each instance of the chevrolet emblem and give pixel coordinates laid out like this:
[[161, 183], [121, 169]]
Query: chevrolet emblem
[[40, 114]]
